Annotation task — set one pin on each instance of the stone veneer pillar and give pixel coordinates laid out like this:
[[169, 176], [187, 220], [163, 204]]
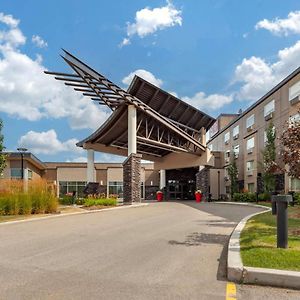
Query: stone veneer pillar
[[202, 182], [132, 179]]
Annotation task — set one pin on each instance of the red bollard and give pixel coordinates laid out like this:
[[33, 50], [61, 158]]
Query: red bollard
[[198, 196], [159, 196]]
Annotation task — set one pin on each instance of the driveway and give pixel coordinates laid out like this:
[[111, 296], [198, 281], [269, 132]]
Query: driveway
[[161, 251]]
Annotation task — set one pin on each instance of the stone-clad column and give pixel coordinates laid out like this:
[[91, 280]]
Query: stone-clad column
[[132, 179], [202, 181], [132, 165]]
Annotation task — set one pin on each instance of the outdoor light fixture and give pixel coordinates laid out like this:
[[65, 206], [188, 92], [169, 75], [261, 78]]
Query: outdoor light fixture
[[22, 151]]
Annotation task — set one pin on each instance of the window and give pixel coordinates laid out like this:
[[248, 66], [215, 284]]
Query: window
[[269, 108], [251, 187], [115, 187], [235, 131], [236, 151], [70, 187], [227, 137], [294, 118], [294, 91], [250, 121], [227, 154], [250, 165], [29, 174], [15, 173], [294, 184], [210, 147], [250, 144]]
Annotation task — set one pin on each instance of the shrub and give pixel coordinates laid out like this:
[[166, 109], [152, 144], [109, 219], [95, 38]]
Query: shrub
[[67, 199], [297, 198], [37, 197], [244, 197], [264, 197], [101, 202]]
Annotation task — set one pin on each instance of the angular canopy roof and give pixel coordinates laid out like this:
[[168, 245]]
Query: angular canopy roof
[[174, 127]]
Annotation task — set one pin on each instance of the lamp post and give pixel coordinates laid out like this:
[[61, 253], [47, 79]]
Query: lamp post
[[22, 151]]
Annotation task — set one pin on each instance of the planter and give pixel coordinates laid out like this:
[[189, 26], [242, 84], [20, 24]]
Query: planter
[[159, 196], [198, 197]]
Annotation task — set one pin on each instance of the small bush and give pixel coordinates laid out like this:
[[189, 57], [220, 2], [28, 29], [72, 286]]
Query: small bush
[[297, 198], [264, 197], [100, 202], [244, 197], [67, 199]]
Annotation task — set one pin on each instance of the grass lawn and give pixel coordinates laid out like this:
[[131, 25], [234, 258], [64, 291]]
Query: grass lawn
[[259, 242]]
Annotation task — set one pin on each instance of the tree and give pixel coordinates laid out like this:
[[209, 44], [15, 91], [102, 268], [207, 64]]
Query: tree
[[233, 175], [2, 148], [269, 165], [290, 154]]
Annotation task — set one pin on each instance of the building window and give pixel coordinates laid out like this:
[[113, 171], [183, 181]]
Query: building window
[[16, 173], [210, 147], [294, 118], [269, 108], [235, 132], [250, 145], [250, 165], [29, 174], [294, 91], [236, 151], [251, 187], [115, 188], [70, 187], [227, 137], [227, 189], [295, 184], [250, 122]]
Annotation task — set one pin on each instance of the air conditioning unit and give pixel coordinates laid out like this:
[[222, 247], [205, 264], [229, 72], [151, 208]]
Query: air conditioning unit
[[269, 116], [295, 100], [250, 173], [250, 128], [235, 137], [250, 151]]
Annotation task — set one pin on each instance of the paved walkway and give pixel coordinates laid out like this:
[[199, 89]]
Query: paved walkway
[[162, 251]]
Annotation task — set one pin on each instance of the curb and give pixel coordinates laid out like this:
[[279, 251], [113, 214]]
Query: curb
[[74, 213], [239, 273], [240, 203]]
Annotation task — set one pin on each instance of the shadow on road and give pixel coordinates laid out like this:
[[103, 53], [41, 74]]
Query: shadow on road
[[197, 239]]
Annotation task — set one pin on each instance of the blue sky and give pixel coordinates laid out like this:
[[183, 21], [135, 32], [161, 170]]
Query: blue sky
[[219, 56]]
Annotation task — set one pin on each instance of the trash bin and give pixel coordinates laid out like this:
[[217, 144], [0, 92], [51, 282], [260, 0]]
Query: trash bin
[[159, 196], [198, 196]]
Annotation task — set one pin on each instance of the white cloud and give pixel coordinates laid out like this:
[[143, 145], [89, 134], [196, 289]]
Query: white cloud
[[148, 21], [27, 93], [258, 76], [278, 26], [80, 159], [208, 102], [39, 42], [9, 20], [46, 142], [143, 74]]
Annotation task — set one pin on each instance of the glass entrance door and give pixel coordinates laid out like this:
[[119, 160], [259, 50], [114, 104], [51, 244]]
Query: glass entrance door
[[181, 190]]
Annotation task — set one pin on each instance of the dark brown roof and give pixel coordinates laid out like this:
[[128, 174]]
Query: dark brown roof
[[168, 105]]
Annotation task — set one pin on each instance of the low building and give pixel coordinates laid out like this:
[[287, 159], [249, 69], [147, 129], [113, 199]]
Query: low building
[[71, 177]]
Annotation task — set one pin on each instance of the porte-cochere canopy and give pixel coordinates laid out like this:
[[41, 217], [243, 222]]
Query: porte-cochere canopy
[[165, 123]]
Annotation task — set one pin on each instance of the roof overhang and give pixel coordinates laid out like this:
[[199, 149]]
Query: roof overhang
[[158, 134]]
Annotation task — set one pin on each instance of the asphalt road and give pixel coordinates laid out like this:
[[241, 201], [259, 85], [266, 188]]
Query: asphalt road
[[162, 251]]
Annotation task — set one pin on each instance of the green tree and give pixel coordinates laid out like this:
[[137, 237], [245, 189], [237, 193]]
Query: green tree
[[269, 165], [2, 148], [233, 176]]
